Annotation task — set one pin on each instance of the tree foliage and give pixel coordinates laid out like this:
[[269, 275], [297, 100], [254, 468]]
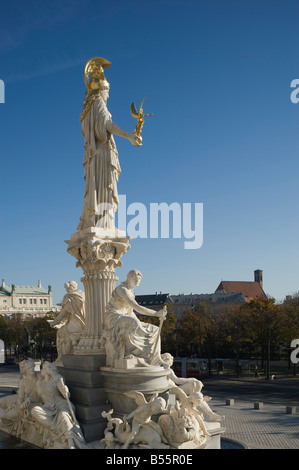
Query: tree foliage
[[16, 331], [259, 330]]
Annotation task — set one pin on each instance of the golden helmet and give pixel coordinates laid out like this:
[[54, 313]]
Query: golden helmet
[[94, 77]]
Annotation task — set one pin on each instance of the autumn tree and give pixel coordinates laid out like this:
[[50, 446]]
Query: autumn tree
[[209, 330], [235, 331], [168, 333], [3, 328], [198, 332], [265, 326], [188, 334], [15, 334]]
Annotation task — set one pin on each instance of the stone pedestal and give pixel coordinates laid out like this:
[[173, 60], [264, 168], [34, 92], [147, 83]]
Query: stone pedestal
[[215, 430], [98, 252], [139, 379], [85, 382]]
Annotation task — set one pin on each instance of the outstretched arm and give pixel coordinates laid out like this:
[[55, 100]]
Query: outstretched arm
[[128, 296], [116, 130]]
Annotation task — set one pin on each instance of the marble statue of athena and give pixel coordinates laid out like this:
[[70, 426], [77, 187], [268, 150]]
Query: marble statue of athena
[[101, 165]]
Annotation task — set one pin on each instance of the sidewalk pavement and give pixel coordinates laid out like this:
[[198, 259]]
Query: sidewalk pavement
[[267, 428]]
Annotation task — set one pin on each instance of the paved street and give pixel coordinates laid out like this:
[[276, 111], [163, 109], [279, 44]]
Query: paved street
[[283, 389], [267, 428]]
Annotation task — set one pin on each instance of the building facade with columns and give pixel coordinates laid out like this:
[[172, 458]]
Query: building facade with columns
[[25, 301]]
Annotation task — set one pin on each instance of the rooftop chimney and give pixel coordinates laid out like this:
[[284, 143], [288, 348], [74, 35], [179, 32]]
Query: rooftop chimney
[[3, 282], [39, 284], [258, 277]]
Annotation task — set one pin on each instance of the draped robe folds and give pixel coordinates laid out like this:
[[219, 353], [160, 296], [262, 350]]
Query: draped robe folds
[[101, 169], [11, 410], [73, 311], [54, 415], [74, 303], [126, 333]]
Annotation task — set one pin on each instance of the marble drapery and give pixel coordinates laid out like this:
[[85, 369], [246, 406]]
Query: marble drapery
[[101, 169]]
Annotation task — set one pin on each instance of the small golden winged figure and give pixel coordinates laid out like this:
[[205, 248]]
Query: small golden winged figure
[[139, 116]]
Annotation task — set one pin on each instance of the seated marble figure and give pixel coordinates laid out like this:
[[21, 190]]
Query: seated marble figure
[[125, 335]]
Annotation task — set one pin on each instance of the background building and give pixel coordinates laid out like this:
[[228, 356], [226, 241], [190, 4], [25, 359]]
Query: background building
[[153, 301], [235, 292], [26, 301], [248, 290]]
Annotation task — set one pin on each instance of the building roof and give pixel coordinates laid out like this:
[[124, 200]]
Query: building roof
[[23, 290], [249, 289], [155, 299]]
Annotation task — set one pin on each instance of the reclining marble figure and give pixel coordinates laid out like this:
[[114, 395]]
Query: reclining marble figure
[[41, 412], [190, 389], [16, 408]]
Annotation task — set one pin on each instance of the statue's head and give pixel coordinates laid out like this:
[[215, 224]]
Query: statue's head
[[158, 405], [73, 285], [70, 286], [94, 76], [134, 277], [49, 368], [22, 366], [28, 366], [167, 358]]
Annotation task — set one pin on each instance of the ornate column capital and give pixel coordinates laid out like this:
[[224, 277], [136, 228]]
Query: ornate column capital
[[95, 249], [98, 252]]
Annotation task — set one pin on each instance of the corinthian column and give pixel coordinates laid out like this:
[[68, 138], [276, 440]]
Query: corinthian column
[[98, 254]]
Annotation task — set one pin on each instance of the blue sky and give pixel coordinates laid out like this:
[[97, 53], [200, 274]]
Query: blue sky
[[217, 77]]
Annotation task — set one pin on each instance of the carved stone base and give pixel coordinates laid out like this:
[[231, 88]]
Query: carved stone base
[[140, 379], [89, 346], [85, 382], [216, 431], [31, 434]]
